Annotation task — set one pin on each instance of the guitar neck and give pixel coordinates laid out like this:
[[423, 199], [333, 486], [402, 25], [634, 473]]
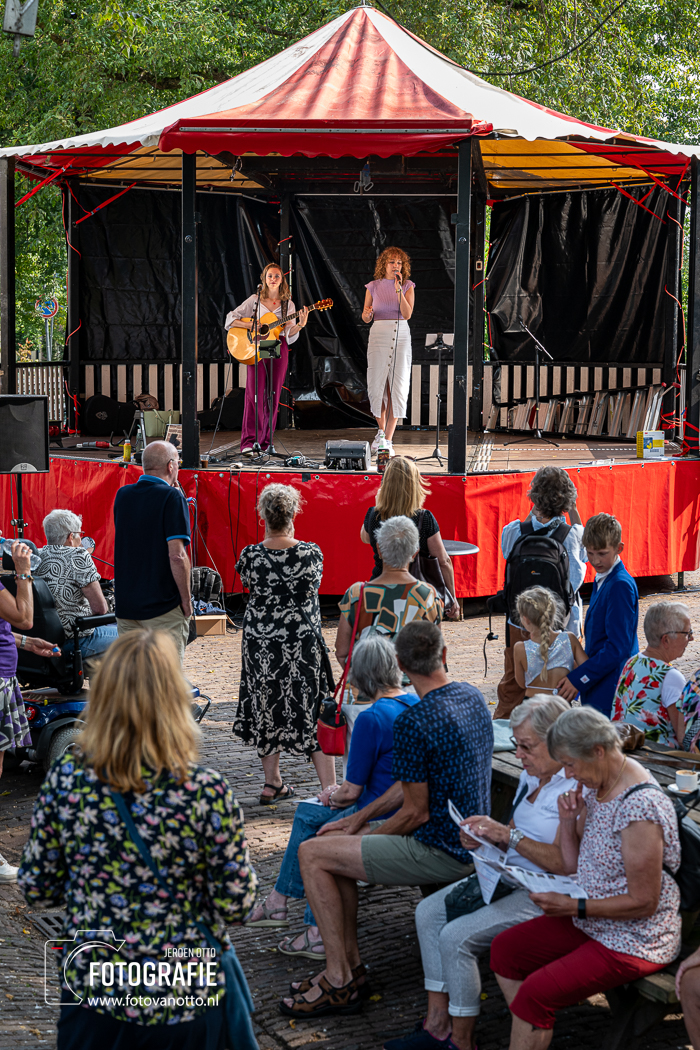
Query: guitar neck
[[293, 317]]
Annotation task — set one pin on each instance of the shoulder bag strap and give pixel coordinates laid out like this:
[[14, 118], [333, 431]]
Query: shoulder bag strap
[[561, 532], [319, 637], [517, 802], [241, 1006], [123, 809], [340, 688]]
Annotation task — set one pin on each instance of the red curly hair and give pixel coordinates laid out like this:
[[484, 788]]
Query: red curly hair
[[380, 268]]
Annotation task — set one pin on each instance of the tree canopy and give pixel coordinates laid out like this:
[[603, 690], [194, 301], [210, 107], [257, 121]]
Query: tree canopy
[[96, 64]]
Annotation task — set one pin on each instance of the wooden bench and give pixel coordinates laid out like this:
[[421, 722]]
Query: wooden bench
[[637, 1007]]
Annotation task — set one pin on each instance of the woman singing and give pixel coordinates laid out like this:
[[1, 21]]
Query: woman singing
[[274, 298], [389, 302]]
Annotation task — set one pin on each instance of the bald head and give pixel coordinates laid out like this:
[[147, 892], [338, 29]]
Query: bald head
[[157, 458]]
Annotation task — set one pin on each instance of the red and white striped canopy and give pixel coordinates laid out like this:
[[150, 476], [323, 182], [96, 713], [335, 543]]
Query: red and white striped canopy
[[361, 85]]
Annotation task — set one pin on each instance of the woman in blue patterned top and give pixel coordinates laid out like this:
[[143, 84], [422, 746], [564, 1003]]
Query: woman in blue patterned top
[[141, 741]]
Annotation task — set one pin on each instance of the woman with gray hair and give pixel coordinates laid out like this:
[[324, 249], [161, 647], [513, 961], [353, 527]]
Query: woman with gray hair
[[619, 839], [74, 582], [285, 671], [375, 672], [530, 839], [649, 691], [395, 597]]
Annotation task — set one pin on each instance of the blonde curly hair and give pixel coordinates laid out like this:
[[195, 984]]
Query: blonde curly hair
[[546, 611], [380, 267]]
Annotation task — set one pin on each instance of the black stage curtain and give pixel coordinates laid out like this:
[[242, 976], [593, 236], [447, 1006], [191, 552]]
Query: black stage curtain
[[337, 241], [130, 271], [130, 277], [584, 271]]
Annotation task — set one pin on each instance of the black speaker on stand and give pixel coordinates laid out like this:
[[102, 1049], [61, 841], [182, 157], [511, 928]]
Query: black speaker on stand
[[24, 441]]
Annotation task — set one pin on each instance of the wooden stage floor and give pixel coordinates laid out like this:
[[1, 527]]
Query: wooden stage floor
[[490, 452]]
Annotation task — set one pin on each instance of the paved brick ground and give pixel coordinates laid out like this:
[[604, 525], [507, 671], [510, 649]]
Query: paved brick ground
[[387, 931]]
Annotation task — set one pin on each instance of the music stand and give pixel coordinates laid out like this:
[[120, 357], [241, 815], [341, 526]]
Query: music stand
[[538, 432], [438, 345]]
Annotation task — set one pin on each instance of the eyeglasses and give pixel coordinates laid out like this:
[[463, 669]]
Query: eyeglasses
[[525, 748], [689, 634]]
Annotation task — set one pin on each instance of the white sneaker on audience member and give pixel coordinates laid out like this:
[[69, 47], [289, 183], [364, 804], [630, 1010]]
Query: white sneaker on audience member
[[378, 439], [8, 872]]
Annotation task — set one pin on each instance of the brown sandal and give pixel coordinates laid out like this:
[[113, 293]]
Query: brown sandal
[[359, 972], [345, 1000]]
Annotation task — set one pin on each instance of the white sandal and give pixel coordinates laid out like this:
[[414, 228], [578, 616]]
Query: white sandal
[[268, 920]]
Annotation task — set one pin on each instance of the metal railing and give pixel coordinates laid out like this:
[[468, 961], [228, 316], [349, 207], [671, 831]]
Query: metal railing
[[44, 377]]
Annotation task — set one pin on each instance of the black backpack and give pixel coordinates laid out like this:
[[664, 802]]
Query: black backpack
[[538, 559], [688, 875]]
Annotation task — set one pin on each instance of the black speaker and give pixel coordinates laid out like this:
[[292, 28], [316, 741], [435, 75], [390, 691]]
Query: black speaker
[[24, 433]]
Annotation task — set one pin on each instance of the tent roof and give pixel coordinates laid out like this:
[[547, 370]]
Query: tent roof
[[359, 86]]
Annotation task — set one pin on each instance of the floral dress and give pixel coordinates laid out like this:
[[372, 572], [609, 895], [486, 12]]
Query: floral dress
[[638, 697], [601, 873], [689, 707], [14, 728], [81, 856], [282, 674]]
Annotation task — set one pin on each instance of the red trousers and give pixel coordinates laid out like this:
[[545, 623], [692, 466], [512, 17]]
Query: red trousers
[[559, 965]]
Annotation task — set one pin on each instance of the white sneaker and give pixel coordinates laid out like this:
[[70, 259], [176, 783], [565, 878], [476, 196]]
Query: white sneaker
[[390, 446], [378, 440], [8, 873]]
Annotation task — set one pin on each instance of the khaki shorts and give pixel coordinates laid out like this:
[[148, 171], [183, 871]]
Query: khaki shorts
[[401, 860], [174, 622]]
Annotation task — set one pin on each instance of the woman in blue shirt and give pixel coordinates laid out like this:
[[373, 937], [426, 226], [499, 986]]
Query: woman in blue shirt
[[375, 672]]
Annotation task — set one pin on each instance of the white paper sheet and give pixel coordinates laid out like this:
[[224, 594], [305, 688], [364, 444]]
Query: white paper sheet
[[490, 866]]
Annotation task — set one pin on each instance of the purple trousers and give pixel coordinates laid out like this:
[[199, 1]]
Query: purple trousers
[[276, 367]]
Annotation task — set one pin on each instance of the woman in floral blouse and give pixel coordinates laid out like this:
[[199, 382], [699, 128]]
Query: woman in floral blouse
[[649, 691], [140, 741]]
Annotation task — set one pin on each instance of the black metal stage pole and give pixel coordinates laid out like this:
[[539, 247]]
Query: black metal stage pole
[[8, 333], [457, 455], [188, 394], [692, 377]]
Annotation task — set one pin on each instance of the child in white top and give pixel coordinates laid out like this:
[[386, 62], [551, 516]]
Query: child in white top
[[549, 653]]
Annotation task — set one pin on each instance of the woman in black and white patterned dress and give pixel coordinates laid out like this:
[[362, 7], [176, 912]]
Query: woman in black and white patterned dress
[[283, 673]]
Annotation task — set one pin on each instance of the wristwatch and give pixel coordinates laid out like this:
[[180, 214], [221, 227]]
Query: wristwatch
[[515, 838], [22, 641], [582, 907]]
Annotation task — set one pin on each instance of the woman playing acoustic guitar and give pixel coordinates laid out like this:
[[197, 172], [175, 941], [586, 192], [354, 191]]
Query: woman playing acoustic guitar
[[274, 298]]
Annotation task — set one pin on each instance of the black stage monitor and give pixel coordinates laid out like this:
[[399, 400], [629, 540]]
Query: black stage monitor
[[24, 434]]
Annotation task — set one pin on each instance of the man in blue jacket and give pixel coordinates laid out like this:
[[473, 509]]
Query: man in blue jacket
[[611, 620]]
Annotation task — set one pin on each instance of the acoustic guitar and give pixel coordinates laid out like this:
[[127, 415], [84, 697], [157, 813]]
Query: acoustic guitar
[[241, 342]]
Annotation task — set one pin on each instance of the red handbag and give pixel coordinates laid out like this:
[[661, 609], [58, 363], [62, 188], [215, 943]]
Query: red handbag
[[332, 725]]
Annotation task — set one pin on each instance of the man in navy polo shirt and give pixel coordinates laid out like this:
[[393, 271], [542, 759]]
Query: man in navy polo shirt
[[151, 537], [443, 747]]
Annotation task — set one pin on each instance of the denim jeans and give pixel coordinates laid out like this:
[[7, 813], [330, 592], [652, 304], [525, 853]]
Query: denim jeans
[[94, 644], [307, 820]]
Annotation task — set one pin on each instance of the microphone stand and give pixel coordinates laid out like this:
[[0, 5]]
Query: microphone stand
[[438, 345], [538, 347], [257, 449]]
